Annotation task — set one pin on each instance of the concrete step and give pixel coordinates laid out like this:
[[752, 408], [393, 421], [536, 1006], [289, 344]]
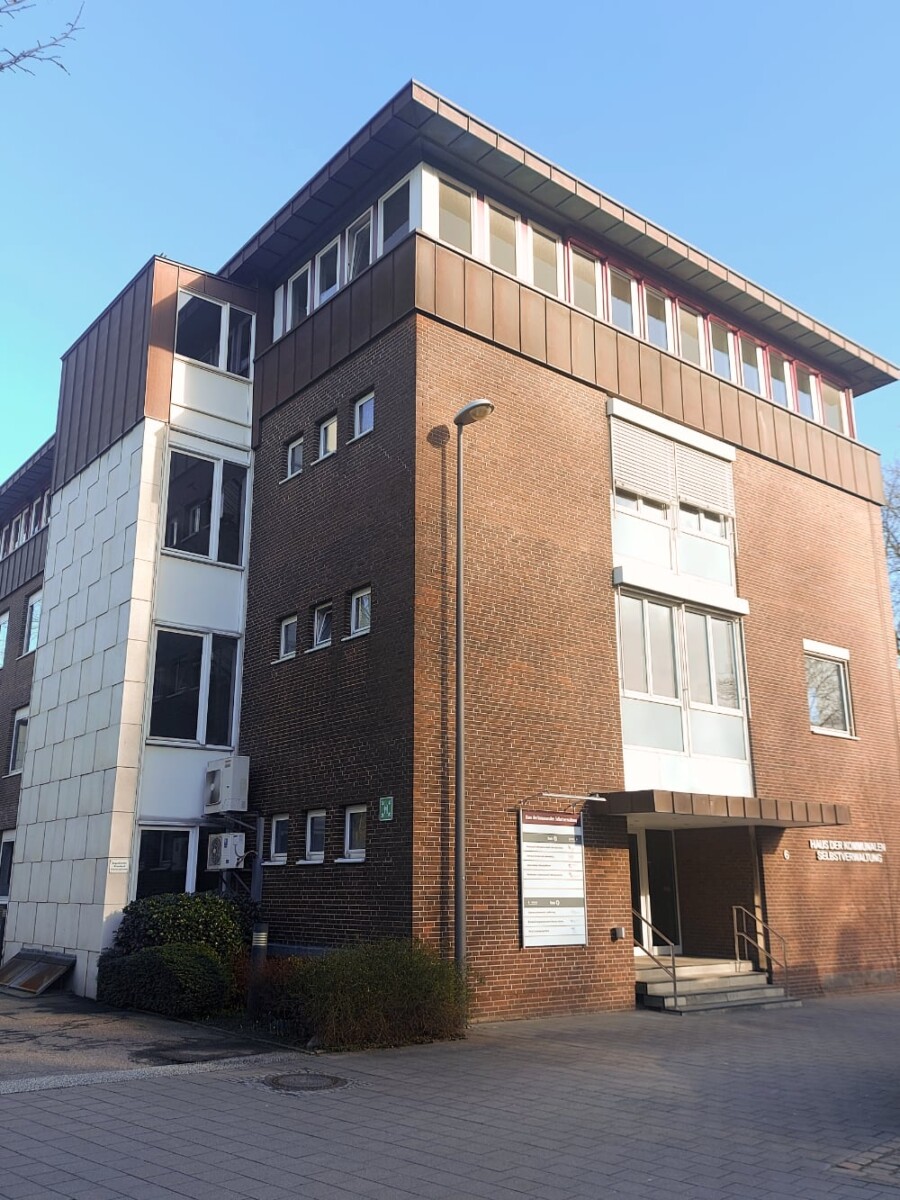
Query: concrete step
[[761, 994], [710, 983], [777, 1002], [694, 970]]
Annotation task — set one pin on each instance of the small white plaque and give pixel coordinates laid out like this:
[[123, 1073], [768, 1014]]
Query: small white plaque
[[118, 866]]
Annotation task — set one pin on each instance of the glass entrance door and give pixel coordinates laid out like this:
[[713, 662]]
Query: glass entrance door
[[654, 888]]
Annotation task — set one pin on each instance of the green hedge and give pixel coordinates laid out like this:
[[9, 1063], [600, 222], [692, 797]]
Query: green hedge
[[205, 918], [177, 980]]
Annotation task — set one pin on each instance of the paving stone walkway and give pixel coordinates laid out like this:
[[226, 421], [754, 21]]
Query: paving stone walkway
[[797, 1103]]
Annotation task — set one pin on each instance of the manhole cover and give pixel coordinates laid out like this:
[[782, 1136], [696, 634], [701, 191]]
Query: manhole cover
[[305, 1081]]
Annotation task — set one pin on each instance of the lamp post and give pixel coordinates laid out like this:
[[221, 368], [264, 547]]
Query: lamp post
[[476, 410]]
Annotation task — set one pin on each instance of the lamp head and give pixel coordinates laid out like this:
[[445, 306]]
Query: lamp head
[[475, 410]]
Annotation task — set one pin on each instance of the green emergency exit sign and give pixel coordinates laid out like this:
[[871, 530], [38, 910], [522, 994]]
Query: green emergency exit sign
[[386, 808]]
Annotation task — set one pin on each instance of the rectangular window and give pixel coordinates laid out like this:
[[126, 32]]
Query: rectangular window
[[621, 300], [194, 681], [6, 856], [364, 416], [278, 842], [294, 458], [321, 632], [298, 297], [205, 507], [657, 318], [828, 694], [359, 246], [355, 832], [328, 273], [19, 737], [806, 404], [218, 335], [32, 623], [455, 216], [720, 340], [162, 862], [584, 282], [832, 407], [315, 835], [690, 331], [780, 375], [545, 262], [4, 541], [394, 216], [327, 437], [502, 240], [751, 370], [4, 631], [240, 342], [361, 611], [288, 640]]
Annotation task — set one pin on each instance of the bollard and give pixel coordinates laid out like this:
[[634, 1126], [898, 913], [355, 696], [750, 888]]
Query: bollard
[[258, 953]]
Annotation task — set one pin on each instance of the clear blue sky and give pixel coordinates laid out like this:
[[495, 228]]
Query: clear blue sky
[[766, 134]]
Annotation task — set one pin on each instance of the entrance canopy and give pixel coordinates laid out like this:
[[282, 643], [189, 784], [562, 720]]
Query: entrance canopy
[[653, 809]]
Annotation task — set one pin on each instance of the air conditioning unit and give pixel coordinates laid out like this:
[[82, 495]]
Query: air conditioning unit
[[225, 851], [226, 784]]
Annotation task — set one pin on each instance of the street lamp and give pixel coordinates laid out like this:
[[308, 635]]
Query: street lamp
[[476, 410]]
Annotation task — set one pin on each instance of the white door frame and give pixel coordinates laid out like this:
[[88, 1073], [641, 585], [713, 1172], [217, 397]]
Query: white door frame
[[646, 909]]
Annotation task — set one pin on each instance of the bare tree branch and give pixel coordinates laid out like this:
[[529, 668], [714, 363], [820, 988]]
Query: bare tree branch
[[40, 52], [890, 520]]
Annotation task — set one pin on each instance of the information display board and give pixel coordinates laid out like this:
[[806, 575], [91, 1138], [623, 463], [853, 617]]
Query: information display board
[[551, 863]]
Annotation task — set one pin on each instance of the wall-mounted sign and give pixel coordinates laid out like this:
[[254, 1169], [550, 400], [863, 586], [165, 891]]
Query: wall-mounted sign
[[386, 808], [551, 858], [829, 850], [118, 866]]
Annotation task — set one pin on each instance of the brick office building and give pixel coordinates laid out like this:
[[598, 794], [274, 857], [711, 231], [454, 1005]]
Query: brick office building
[[678, 622]]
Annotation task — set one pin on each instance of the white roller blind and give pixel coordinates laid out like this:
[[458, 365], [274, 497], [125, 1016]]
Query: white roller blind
[[643, 462], [704, 480]]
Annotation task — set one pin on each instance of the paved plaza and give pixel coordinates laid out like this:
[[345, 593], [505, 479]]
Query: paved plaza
[[801, 1103]]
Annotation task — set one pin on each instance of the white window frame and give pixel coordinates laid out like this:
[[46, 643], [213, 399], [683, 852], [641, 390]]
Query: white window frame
[[530, 231], [4, 636], [519, 239], [321, 297], [367, 217], [816, 414], [440, 178], [791, 400], [224, 321], [207, 636], [413, 218], [575, 251], [7, 838], [357, 410], [35, 600], [325, 424], [612, 271], [357, 630], [840, 656], [215, 515], [21, 717], [760, 364], [730, 342], [690, 311], [647, 288], [192, 864], [289, 296], [353, 855], [318, 642], [821, 384], [292, 446], [314, 856], [282, 652], [280, 858]]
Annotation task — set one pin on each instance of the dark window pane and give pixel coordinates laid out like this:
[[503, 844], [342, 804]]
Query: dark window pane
[[395, 217], [231, 523], [280, 838], [176, 685], [328, 272], [220, 712], [189, 504], [315, 835], [240, 328], [162, 861], [358, 249], [199, 330], [300, 297], [6, 857]]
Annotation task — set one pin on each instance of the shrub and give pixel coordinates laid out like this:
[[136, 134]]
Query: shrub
[[280, 992], [177, 980], [382, 993], [204, 918]]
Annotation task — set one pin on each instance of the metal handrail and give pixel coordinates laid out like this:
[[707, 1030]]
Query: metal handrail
[[741, 934], [669, 970]]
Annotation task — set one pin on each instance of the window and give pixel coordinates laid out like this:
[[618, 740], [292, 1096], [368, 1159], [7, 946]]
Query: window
[[288, 639], [4, 630], [455, 216], [502, 234], [720, 341], [751, 366], [690, 332], [162, 862], [832, 407], [294, 458], [205, 507], [278, 842], [355, 832], [19, 736], [657, 318], [194, 680], [621, 300], [7, 845], [364, 416], [32, 623], [327, 437], [328, 271], [218, 335], [545, 262], [806, 404], [321, 634], [359, 246], [298, 297], [780, 376], [315, 835], [585, 292], [827, 689], [361, 611], [394, 216]]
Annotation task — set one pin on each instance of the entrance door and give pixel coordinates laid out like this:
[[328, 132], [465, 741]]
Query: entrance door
[[654, 889]]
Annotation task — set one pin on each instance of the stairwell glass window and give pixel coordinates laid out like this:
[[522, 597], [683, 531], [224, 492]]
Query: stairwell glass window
[[4, 631], [216, 334], [455, 215], [355, 833], [17, 743], [205, 507], [364, 416], [315, 835], [32, 623], [828, 693], [194, 685]]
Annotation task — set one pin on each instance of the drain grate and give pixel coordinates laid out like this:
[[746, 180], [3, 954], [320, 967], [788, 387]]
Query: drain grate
[[880, 1164], [305, 1081]]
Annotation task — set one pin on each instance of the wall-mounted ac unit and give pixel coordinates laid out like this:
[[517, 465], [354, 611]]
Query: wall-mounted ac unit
[[226, 784], [225, 851]]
